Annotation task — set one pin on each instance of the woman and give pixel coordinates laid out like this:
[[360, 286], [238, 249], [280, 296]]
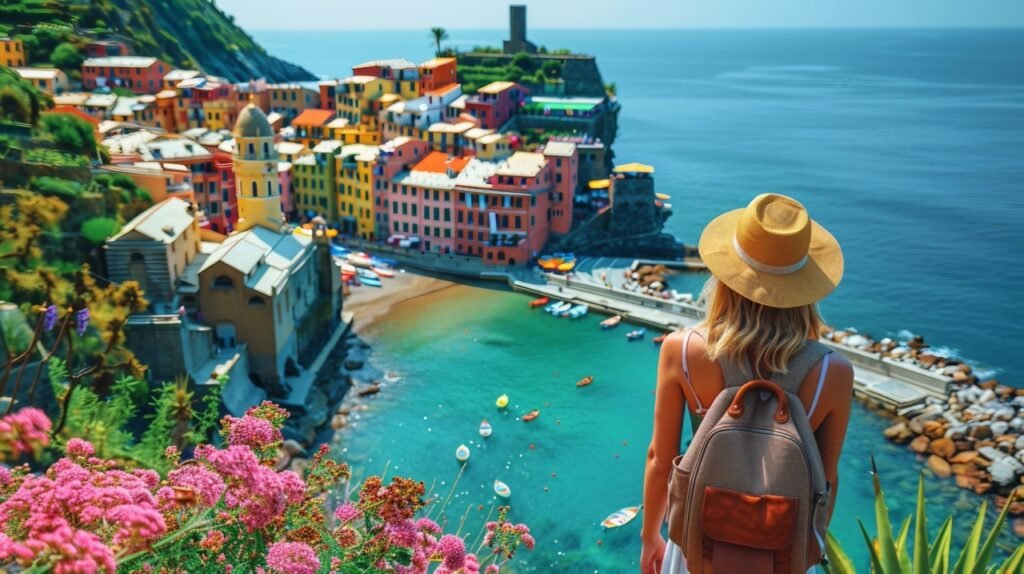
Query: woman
[[770, 265]]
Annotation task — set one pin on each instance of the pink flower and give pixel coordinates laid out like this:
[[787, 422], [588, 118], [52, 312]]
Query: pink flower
[[492, 569], [207, 484], [24, 432], [292, 558], [253, 432], [453, 552], [346, 513], [79, 449]]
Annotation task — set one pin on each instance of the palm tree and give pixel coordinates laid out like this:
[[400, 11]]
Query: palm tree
[[440, 35]]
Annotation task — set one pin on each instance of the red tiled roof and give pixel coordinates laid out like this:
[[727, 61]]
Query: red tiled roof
[[438, 162], [442, 90], [64, 109], [313, 117]]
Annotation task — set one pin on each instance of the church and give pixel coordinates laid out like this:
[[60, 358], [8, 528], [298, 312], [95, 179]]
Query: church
[[264, 288]]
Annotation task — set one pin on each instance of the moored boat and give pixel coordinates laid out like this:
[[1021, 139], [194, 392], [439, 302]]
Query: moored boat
[[611, 322], [531, 415], [485, 429], [636, 334], [621, 517], [502, 489], [462, 453], [585, 381], [382, 272], [359, 259], [502, 401], [540, 302], [578, 311], [566, 266], [561, 309]]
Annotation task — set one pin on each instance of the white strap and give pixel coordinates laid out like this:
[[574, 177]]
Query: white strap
[[821, 383], [686, 373]]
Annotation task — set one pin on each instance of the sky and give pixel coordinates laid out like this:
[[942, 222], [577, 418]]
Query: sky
[[630, 14]]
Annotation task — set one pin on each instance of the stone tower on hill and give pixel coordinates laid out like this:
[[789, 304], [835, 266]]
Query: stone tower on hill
[[517, 41], [256, 181]]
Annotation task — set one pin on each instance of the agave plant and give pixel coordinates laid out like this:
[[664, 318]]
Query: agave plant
[[890, 554]]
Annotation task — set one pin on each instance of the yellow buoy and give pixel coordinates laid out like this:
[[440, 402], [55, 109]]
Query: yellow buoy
[[502, 401]]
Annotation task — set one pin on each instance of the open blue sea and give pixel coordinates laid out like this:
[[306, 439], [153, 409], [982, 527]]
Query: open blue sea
[[907, 144]]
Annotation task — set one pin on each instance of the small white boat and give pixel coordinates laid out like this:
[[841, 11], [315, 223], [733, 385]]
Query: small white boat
[[636, 334], [502, 401], [485, 429], [359, 259], [561, 309], [462, 453], [502, 489], [621, 517], [611, 322], [578, 311], [347, 268], [382, 272]]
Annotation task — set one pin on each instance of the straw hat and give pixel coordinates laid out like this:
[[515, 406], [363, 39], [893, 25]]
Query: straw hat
[[772, 253]]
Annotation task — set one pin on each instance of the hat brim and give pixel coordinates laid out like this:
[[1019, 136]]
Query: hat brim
[[811, 283]]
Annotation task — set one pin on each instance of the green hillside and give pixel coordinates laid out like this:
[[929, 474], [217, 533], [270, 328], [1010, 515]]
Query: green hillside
[[185, 33]]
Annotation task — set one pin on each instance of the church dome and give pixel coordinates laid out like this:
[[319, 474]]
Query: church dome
[[252, 123]]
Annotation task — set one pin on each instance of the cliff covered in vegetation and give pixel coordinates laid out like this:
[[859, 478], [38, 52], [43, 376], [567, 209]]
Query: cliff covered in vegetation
[[185, 33]]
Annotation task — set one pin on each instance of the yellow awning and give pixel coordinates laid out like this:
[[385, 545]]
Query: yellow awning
[[634, 168], [599, 184]]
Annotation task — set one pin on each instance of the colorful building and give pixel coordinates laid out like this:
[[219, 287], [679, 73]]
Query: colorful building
[[12, 52], [160, 181], [220, 114], [328, 94], [313, 182], [393, 157], [449, 138], [496, 103], [401, 75], [412, 118], [355, 164], [360, 99], [290, 100], [421, 201], [437, 73], [140, 74], [564, 158], [49, 80], [105, 48], [311, 126]]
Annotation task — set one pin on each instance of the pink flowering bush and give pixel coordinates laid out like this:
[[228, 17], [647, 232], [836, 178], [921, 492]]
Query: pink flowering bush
[[225, 509]]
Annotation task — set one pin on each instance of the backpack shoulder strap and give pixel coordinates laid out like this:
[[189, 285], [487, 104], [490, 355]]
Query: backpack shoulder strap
[[800, 365]]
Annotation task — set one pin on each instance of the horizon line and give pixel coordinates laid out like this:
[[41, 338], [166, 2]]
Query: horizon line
[[1008, 27]]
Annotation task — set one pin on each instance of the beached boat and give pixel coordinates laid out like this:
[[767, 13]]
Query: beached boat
[[502, 489], [462, 453], [359, 260], [660, 339], [485, 429], [585, 381], [636, 334], [367, 277], [539, 302], [385, 262], [502, 401], [566, 266], [531, 415], [621, 517], [578, 311], [338, 250], [382, 272], [611, 322]]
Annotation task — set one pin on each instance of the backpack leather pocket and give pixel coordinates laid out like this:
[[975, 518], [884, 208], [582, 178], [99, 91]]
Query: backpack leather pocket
[[678, 489], [762, 521]]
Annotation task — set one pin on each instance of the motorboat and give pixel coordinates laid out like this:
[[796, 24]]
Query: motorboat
[[540, 302], [585, 381], [611, 322], [636, 334], [502, 489], [382, 272], [360, 260], [578, 311], [531, 415], [621, 517]]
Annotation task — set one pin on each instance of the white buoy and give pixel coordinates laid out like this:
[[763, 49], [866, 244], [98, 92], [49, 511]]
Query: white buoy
[[462, 453]]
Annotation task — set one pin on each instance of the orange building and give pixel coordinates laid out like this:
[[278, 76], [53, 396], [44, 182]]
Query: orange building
[[12, 52], [311, 126], [437, 73]]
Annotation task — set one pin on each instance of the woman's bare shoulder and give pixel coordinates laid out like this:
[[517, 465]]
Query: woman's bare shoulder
[[840, 374]]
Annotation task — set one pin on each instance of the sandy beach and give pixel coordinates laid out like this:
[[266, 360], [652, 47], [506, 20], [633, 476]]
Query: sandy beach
[[371, 304]]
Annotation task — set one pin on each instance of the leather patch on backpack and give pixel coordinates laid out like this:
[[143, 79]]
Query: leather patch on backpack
[[764, 521]]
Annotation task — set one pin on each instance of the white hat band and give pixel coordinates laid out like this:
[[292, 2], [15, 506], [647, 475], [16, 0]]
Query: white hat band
[[764, 267]]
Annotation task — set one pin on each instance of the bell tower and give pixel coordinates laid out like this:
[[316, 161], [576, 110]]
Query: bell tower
[[256, 180]]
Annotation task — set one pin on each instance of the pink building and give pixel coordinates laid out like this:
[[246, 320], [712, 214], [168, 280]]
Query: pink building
[[395, 156], [565, 160], [140, 74], [495, 103], [421, 201]]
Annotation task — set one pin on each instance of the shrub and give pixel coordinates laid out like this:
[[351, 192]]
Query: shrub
[[70, 133], [64, 188], [98, 229], [552, 69], [67, 57], [15, 105], [524, 62]]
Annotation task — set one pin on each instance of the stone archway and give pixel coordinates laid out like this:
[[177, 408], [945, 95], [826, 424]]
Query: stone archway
[[225, 331]]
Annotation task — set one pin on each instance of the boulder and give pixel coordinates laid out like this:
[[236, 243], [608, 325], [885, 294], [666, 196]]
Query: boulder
[[1004, 471], [961, 377], [939, 466], [920, 444], [897, 432], [1018, 527], [371, 389], [980, 432], [927, 361], [964, 457], [964, 368], [353, 364], [956, 432], [1004, 414], [943, 447], [1018, 445], [964, 445], [989, 384], [934, 429], [990, 453], [999, 427], [964, 481], [916, 427], [981, 487]]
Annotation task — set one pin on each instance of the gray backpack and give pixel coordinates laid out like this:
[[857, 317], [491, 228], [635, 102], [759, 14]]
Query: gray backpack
[[750, 493]]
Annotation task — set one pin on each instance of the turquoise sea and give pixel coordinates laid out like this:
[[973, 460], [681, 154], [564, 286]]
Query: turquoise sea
[[907, 144]]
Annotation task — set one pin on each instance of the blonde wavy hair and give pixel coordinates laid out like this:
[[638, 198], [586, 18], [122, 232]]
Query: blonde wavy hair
[[738, 328]]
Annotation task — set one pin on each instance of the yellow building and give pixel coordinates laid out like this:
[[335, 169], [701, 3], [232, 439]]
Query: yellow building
[[12, 52], [355, 179], [313, 182], [220, 114], [256, 181], [359, 100]]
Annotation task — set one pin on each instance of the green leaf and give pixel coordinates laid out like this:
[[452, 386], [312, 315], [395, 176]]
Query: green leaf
[[1014, 563], [901, 546], [876, 564], [920, 565], [887, 545], [990, 542], [838, 561], [938, 554], [969, 555]]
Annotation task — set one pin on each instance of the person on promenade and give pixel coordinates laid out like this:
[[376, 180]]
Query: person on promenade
[[770, 265]]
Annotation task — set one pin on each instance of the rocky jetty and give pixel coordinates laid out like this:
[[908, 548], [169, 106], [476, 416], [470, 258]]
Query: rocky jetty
[[912, 350]]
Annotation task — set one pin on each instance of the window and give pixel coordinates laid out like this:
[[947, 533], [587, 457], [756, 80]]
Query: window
[[448, 232], [223, 282], [447, 214], [459, 218], [251, 150], [255, 189], [256, 301]]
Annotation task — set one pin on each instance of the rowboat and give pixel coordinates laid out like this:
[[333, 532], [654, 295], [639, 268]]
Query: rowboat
[[502, 401], [369, 281], [338, 251], [585, 381], [385, 262], [578, 311], [561, 309], [611, 322], [359, 259], [502, 489], [551, 306], [566, 266], [346, 268], [659, 339], [531, 415], [539, 302], [462, 453], [382, 272], [485, 429], [621, 517], [635, 334]]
